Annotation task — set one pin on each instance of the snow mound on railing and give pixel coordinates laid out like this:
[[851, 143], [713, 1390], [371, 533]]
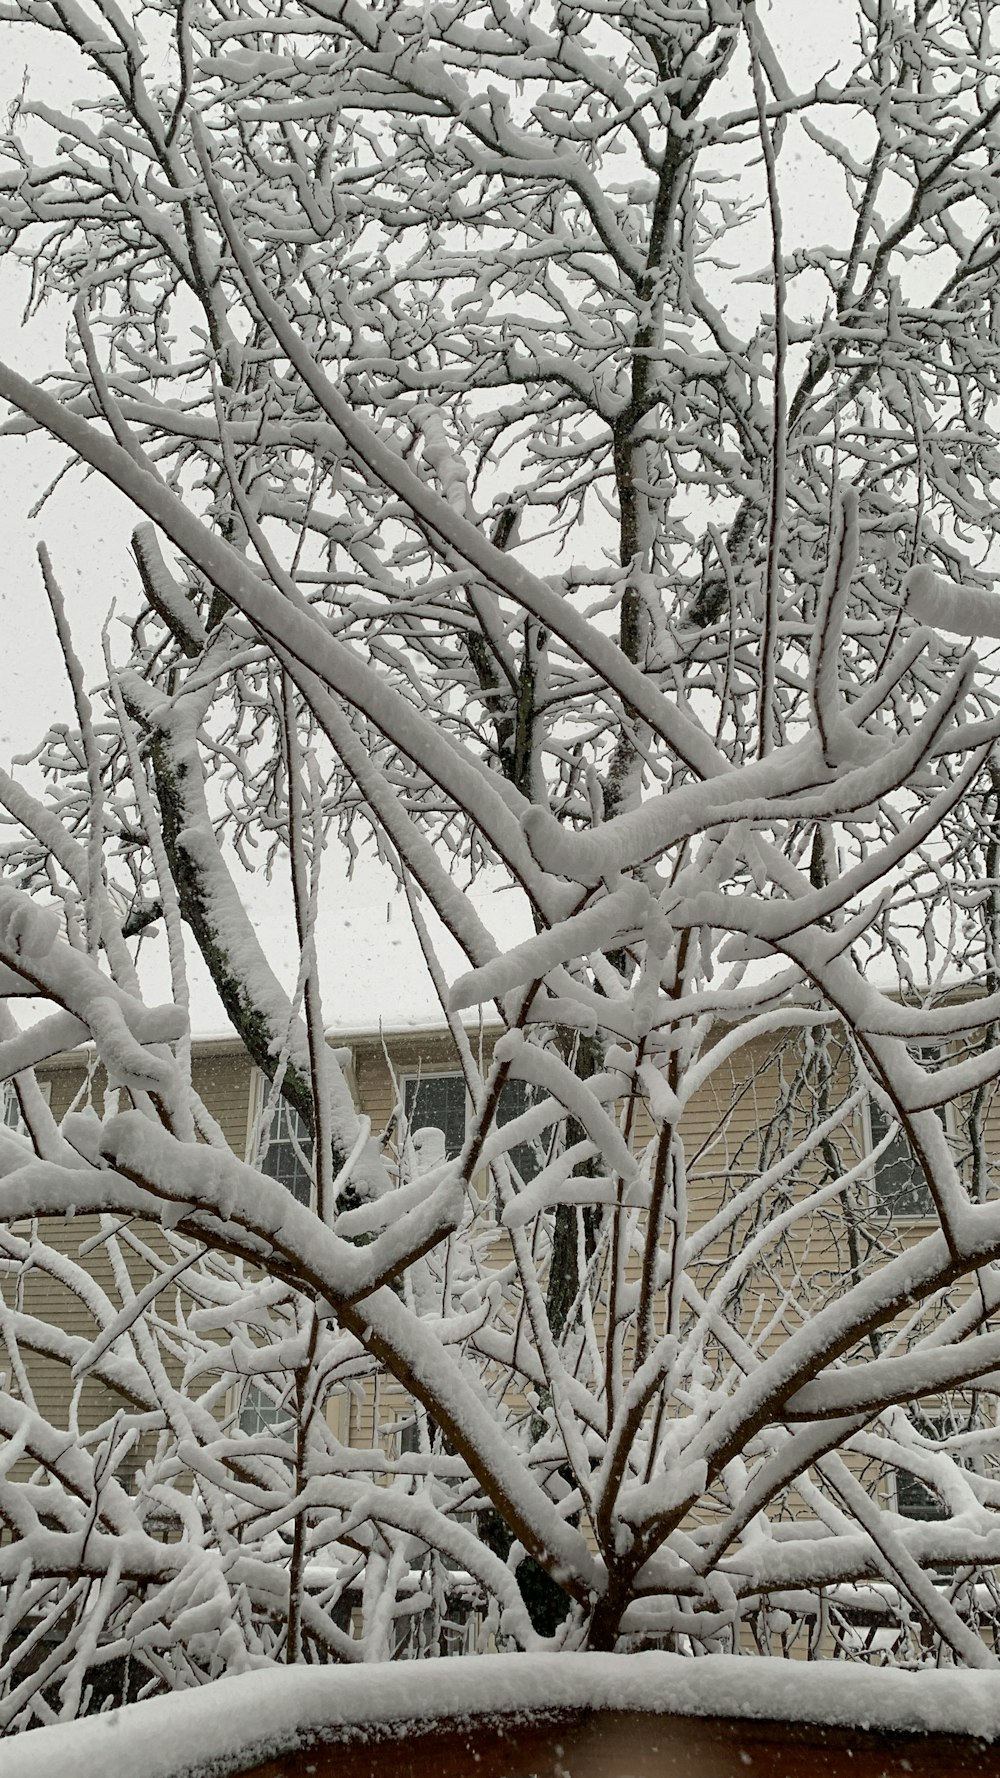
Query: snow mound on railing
[[222, 1728]]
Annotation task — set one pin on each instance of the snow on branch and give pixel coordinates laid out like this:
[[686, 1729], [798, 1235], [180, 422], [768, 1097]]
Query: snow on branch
[[493, 533]]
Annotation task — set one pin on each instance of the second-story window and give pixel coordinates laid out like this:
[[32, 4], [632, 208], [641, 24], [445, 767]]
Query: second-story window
[[915, 1499], [437, 1102], [260, 1414], [288, 1157], [900, 1186], [516, 1096], [441, 1102], [901, 1189], [10, 1110], [11, 1117]]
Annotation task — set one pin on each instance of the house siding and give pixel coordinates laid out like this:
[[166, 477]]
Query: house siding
[[754, 1107]]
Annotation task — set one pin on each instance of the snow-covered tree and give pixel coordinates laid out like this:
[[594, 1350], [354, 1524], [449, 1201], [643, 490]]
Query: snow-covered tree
[[527, 479]]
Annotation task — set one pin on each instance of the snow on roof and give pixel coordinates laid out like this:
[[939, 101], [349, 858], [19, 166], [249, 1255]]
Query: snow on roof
[[234, 1722]]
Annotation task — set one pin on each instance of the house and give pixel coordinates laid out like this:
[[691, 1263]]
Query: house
[[740, 1118], [746, 1120]]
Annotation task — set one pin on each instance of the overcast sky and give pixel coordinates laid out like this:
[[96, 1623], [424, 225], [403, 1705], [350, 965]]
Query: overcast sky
[[85, 524], [370, 959]]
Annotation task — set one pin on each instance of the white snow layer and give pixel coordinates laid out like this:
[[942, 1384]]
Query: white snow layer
[[232, 1723], [961, 610]]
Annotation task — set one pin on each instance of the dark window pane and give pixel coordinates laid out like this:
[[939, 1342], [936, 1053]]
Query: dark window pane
[[259, 1414], [915, 1500], [900, 1186], [440, 1100], [437, 1101], [289, 1156], [516, 1096], [407, 1437]]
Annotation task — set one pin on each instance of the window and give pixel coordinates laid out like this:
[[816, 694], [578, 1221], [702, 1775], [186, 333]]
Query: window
[[289, 1154], [441, 1101], [438, 1102], [516, 1096], [405, 1435], [900, 1186], [914, 1499], [10, 1106], [260, 1414]]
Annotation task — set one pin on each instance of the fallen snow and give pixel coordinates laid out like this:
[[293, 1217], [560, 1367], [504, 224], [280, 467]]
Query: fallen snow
[[223, 1727]]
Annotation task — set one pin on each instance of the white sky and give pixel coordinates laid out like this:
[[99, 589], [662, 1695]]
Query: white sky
[[87, 526], [371, 965]]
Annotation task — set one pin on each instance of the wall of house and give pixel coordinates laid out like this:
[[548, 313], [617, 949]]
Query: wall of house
[[52, 1290], [754, 1109]]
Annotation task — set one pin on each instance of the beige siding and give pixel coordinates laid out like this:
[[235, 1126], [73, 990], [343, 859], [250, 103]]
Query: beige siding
[[224, 1082], [223, 1079], [749, 1111]]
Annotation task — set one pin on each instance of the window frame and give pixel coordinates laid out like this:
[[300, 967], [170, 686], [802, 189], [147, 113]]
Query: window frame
[[935, 1425], [16, 1126], [880, 1202], [250, 1396], [255, 1112], [418, 1075]]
